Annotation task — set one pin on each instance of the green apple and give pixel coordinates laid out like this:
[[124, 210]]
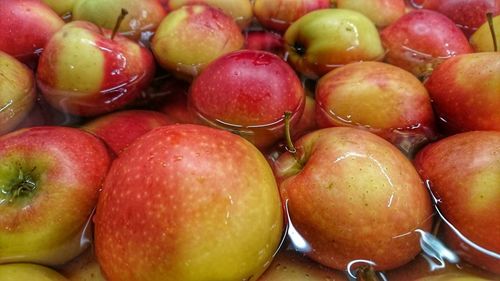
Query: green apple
[[325, 39], [62, 7], [482, 40], [26, 271]]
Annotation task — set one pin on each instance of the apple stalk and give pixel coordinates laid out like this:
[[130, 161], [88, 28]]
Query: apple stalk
[[119, 21], [489, 16], [289, 144]]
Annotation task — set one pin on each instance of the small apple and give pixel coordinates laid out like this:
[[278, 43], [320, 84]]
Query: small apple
[[18, 92], [26, 271], [265, 41], [175, 102], [27, 26], [482, 39], [380, 98], [120, 129], [143, 16], [465, 92], [83, 268], [463, 172], [85, 70], [422, 39], [354, 196], [278, 15], [61, 7], [49, 183], [190, 203], [326, 39], [239, 10], [192, 36], [307, 122], [248, 92], [381, 12]]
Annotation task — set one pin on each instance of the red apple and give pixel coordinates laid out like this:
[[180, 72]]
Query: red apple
[[120, 129], [463, 172], [422, 39], [354, 196], [380, 98], [86, 71], [465, 92], [27, 26], [381, 12], [192, 36], [17, 94], [247, 92], [467, 14], [175, 102], [49, 183], [278, 15], [265, 41], [188, 202]]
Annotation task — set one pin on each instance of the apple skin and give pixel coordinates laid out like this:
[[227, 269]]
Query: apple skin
[[182, 223], [192, 36], [380, 98], [48, 224], [61, 7], [464, 91], [421, 39], [120, 129], [239, 10], [175, 102], [278, 15], [381, 12], [350, 194], [464, 175], [481, 40], [248, 92], [326, 39], [265, 41], [26, 271], [27, 26], [467, 14], [143, 16], [83, 268], [85, 73], [18, 92]]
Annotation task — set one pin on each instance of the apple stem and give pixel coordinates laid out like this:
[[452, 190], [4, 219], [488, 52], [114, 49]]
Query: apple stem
[[119, 20], [366, 273], [288, 138], [489, 16]]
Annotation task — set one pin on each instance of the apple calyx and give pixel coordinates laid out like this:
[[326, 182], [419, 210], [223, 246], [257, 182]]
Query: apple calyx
[[366, 273], [299, 48], [21, 186], [489, 16], [288, 138], [119, 21]]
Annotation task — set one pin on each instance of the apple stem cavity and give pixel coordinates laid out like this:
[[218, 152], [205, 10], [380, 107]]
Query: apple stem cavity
[[489, 16], [23, 185], [119, 21], [288, 138], [366, 273]]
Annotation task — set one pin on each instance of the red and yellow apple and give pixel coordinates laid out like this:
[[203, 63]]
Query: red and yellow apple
[[482, 39], [381, 12]]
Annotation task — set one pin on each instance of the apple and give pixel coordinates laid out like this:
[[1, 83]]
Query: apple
[[463, 172], [18, 92], [422, 39], [175, 102], [278, 15], [85, 70], [380, 98], [467, 14], [326, 39], [248, 92], [192, 36], [307, 122], [143, 16], [49, 183], [62, 7], [239, 10], [482, 39], [26, 271], [120, 129], [381, 12], [354, 196], [452, 277], [188, 202], [27, 26], [464, 92], [265, 41], [83, 268]]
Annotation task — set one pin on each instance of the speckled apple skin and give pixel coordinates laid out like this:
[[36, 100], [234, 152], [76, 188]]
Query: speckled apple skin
[[464, 174], [188, 202], [465, 92], [352, 195], [71, 165]]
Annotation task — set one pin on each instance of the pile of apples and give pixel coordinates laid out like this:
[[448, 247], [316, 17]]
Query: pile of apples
[[244, 140]]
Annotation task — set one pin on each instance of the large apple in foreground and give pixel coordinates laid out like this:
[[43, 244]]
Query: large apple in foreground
[[86, 71], [464, 174], [26, 271], [190, 203], [49, 182], [354, 196]]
